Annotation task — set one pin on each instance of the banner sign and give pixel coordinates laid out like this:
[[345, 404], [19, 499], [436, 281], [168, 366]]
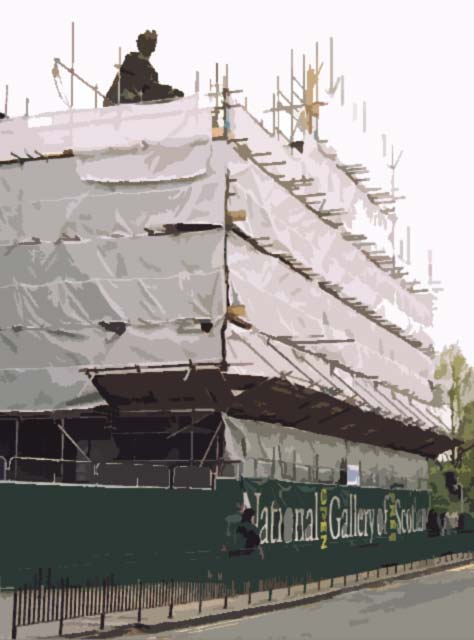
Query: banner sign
[[289, 513]]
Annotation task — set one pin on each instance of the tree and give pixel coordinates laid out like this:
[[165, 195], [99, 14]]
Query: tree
[[466, 455], [456, 381]]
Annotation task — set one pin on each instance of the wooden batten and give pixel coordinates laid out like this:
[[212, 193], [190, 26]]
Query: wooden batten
[[217, 133], [236, 310], [236, 216]]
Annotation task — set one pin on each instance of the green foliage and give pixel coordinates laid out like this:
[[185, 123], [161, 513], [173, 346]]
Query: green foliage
[[456, 380], [466, 466], [441, 500]]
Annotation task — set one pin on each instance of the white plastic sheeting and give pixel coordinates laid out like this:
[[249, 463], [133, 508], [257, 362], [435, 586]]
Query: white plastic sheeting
[[48, 389], [251, 440], [56, 295], [361, 215], [251, 352], [132, 143], [47, 200], [279, 302], [274, 213], [97, 275], [144, 280]]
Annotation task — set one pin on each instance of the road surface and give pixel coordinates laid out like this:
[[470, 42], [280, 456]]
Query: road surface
[[439, 606]]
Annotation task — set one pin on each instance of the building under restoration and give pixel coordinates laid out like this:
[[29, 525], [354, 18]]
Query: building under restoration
[[188, 325]]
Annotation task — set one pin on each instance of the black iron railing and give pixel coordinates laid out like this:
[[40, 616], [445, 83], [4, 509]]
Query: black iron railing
[[47, 603], [43, 603]]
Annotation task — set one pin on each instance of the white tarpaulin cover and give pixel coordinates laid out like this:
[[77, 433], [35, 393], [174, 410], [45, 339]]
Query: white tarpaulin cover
[[132, 143], [274, 213], [361, 216], [103, 264], [253, 440], [99, 275], [281, 303]]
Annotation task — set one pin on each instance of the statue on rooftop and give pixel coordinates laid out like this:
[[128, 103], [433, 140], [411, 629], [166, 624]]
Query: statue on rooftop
[[137, 80]]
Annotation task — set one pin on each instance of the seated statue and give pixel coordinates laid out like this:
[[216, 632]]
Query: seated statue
[[138, 78]]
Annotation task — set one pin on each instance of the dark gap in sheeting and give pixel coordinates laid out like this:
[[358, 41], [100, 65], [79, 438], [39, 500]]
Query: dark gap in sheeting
[[115, 327], [181, 227]]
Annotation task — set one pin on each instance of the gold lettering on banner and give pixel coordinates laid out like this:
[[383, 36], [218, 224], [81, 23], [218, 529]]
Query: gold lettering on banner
[[323, 522]]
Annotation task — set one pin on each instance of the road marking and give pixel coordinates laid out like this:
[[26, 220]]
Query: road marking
[[207, 627]]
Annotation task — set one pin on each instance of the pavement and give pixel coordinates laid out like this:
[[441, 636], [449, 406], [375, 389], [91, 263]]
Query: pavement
[[392, 603], [435, 607]]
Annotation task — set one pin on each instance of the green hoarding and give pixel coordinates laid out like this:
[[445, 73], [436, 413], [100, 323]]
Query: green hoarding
[[87, 532], [291, 514]]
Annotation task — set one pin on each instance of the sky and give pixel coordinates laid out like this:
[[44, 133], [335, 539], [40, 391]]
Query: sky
[[411, 61]]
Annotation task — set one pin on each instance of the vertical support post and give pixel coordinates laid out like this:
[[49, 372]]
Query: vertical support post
[[226, 596], [62, 448], [226, 77], [292, 107], [6, 100], [216, 87], [140, 593], [273, 114], [96, 91], [27, 107], [40, 592], [72, 63], [200, 598], [250, 592], [191, 434], [317, 71], [170, 611], [119, 88], [196, 82], [61, 609], [17, 442], [14, 614], [304, 76], [102, 614]]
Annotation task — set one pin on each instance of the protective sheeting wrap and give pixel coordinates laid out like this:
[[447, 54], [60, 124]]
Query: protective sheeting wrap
[[361, 216], [274, 450], [263, 356], [144, 280], [173, 343], [48, 201], [62, 302], [36, 390], [98, 273], [283, 304], [274, 213], [79, 296], [132, 143]]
